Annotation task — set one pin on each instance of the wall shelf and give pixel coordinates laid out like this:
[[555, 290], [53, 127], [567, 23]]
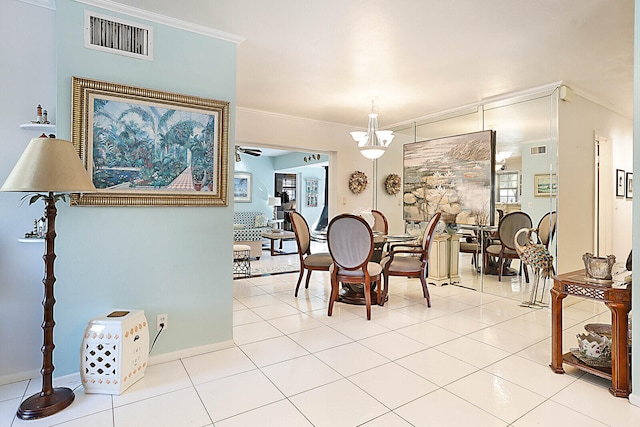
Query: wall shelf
[[38, 126], [31, 240]]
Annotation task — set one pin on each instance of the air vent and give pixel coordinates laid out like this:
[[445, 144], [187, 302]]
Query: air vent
[[539, 150], [113, 35]]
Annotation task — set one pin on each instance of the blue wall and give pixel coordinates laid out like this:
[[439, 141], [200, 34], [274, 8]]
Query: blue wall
[[160, 259], [261, 170]]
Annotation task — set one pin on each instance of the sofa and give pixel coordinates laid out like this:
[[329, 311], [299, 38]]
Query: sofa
[[247, 230]]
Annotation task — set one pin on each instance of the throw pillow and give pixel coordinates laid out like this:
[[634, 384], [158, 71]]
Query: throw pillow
[[261, 221], [239, 226]]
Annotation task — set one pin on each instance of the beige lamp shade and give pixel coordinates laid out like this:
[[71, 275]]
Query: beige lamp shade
[[275, 201], [51, 165]]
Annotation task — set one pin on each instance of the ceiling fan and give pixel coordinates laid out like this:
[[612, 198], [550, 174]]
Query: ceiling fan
[[250, 151]]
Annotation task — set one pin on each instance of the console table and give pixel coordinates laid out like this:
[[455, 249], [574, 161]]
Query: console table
[[618, 299]]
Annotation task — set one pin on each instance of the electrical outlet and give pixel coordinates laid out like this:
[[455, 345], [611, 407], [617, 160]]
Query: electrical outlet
[[164, 319]]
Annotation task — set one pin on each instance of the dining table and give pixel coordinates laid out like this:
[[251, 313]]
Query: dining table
[[353, 293], [486, 233]]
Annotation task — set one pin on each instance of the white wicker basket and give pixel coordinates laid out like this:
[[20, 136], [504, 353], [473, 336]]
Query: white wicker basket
[[114, 352]]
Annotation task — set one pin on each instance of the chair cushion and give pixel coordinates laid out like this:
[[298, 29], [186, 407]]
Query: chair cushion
[[321, 259], [239, 226], [373, 268], [495, 250], [474, 247], [403, 264]]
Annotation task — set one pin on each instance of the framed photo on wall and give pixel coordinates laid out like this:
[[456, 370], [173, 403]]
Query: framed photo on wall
[[242, 187], [620, 183], [629, 185], [312, 192], [545, 185]]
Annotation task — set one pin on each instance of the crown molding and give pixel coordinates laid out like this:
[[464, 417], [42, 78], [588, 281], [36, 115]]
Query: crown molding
[[161, 19], [49, 4]]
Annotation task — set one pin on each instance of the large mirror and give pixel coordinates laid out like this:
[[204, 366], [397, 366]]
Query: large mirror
[[526, 161]]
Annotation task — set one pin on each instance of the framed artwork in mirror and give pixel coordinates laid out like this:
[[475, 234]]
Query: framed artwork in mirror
[[629, 185], [545, 185], [145, 147], [453, 175], [620, 183]]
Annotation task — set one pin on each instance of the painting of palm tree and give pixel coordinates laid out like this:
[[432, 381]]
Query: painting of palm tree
[[147, 147], [139, 145]]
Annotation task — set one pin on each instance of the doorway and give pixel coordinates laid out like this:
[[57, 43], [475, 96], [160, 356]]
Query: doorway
[[604, 186], [285, 187]]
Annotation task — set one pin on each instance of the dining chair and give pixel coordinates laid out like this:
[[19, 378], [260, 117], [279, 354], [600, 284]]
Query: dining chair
[[350, 242], [381, 224], [308, 261], [414, 263], [508, 226], [470, 244], [547, 228]]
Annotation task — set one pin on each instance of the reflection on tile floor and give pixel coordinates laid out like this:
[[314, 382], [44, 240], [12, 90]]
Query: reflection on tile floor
[[472, 359]]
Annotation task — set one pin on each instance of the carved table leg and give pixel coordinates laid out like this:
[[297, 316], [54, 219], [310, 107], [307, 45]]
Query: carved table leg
[[556, 331], [619, 352]]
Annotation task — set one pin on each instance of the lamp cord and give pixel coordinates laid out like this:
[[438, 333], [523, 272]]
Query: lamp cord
[[156, 338]]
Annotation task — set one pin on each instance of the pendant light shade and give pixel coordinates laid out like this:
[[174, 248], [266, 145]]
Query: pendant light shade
[[373, 143]]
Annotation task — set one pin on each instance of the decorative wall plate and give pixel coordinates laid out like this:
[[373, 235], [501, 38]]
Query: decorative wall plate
[[357, 182], [392, 183]]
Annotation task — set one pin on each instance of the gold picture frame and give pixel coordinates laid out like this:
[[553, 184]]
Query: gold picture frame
[[145, 147], [545, 185]]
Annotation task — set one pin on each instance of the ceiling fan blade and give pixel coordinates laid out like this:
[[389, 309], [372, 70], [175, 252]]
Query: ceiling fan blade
[[255, 153]]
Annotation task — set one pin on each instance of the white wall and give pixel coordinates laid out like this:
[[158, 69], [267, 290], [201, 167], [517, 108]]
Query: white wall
[[579, 120], [635, 296]]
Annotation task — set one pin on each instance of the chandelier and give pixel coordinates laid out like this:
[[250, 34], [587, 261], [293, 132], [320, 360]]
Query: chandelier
[[373, 143]]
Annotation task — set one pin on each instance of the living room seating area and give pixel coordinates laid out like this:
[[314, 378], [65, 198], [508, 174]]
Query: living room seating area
[[247, 230]]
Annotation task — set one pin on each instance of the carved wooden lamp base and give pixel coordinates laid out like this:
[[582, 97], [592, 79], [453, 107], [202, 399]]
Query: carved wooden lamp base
[[40, 406]]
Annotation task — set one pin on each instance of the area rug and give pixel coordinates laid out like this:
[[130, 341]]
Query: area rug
[[276, 269]]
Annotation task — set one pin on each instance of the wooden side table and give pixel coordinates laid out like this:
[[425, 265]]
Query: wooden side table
[[618, 300]]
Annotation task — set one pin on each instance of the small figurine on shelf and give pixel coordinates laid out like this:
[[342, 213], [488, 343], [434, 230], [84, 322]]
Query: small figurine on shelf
[[39, 114], [44, 118]]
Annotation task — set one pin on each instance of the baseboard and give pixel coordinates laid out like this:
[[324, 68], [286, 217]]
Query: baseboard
[[189, 352], [153, 360], [634, 399], [19, 376]]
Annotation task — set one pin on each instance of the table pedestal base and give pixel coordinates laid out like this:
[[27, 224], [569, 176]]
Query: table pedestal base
[[352, 293]]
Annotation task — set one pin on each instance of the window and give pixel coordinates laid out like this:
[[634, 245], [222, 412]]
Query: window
[[508, 184]]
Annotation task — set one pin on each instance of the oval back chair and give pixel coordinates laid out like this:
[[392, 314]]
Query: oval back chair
[[350, 242], [308, 261], [509, 225], [411, 266], [547, 228], [381, 224]]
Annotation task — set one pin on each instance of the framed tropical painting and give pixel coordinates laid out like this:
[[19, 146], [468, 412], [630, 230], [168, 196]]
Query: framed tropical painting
[[148, 147]]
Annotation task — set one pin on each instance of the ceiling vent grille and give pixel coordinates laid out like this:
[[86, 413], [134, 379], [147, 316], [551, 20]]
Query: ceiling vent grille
[[539, 150], [113, 35]]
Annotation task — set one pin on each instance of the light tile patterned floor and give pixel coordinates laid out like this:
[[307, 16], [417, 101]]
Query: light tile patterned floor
[[472, 359]]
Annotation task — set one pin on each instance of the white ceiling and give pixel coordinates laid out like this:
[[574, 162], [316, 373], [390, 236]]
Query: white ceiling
[[325, 59]]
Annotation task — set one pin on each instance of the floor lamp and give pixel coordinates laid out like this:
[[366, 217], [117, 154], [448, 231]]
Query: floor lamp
[[51, 169]]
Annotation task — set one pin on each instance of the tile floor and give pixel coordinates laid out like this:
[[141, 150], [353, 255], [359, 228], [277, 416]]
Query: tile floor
[[472, 359]]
